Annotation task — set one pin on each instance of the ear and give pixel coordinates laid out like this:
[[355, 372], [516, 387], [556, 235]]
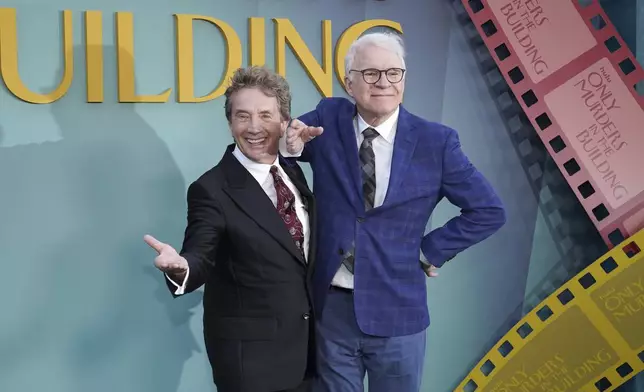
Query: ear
[[348, 84], [284, 126], [230, 129]]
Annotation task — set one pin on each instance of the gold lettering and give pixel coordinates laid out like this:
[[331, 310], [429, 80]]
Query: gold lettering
[[125, 61], [94, 55], [185, 57], [320, 73], [321, 76], [351, 34], [9, 59], [257, 41], [626, 302]]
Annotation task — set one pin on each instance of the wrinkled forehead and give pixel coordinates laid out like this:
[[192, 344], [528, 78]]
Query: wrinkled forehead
[[378, 57], [254, 100]]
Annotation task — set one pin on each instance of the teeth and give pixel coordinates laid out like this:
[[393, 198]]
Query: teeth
[[255, 141]]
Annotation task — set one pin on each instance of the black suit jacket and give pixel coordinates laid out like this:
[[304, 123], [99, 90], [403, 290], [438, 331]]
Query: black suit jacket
[[258, 320]]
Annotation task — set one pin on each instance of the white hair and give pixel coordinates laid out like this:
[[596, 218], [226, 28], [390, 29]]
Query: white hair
[[385, 40]]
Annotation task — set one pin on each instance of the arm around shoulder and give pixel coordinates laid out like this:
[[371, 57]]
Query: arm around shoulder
[[482, 212]]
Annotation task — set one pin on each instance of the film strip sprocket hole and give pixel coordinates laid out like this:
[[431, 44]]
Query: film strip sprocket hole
[[552, 72], [585, 336]]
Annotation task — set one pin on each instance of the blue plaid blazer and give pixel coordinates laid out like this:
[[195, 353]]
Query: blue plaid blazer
[[428, 164]]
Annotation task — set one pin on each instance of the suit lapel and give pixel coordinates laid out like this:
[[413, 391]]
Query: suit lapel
[[348, 137], [404, 146], [297, 177], [249, 196]]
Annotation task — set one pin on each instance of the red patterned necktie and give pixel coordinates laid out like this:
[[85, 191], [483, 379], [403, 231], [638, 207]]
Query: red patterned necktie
[[286, 209]]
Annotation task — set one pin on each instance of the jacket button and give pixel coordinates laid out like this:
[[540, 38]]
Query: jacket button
[[340, 251], [360, 219], [306, 316]]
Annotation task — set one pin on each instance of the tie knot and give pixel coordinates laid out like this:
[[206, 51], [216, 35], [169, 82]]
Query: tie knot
[[370, 134], [277, 178]]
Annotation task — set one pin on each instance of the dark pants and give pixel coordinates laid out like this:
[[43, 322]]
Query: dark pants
[[345, 353], [304, 387]]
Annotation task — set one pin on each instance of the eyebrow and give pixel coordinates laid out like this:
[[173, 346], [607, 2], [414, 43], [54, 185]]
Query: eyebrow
[[265, 111]]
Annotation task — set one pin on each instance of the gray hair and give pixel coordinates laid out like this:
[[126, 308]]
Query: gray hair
[[271, 83], [389, 41]]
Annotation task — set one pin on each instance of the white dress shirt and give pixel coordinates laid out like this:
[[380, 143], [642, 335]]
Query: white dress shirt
[[261, 173]]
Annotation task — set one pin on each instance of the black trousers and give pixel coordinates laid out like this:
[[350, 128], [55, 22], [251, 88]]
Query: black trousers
[[305, 386]]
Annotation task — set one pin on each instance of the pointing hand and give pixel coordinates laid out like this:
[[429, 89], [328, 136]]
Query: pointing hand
[[298, 134], [167, 260]]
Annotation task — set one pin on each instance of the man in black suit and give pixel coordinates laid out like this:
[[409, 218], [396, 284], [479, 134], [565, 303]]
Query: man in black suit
[[250, 239]]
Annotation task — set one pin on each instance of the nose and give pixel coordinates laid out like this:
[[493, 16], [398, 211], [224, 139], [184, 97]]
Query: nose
[[254, 125], [383, 82]]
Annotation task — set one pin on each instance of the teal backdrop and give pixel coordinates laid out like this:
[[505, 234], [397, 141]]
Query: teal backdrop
[[80, 184]]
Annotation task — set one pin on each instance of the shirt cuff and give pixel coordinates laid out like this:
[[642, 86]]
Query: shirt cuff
[[181, 289], [423, 259]]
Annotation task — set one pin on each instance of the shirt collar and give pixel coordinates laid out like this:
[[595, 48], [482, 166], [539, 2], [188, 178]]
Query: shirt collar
[[259, 171], [386, 129]]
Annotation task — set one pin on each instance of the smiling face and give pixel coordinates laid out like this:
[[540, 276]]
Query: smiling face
[[376, 102], [256, 124]]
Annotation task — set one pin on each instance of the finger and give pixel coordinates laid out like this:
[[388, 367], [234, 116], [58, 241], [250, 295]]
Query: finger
[[292, 128], [297, 124], [175, 270], [178, 267], [170, 266], [172, 271], [293, 134], [154, 243], [315, 131]]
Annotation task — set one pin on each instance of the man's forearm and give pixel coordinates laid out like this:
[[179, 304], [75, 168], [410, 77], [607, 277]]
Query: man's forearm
[[482, 212], [461, 232]]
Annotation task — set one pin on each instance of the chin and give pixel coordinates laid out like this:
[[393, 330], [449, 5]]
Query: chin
[[383, 109], [259, 154]]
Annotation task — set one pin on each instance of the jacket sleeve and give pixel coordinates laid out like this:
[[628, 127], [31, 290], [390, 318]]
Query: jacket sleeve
[[482, 212]]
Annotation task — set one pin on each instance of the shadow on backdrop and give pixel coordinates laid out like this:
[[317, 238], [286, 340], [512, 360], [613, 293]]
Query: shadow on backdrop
[[89, 310]]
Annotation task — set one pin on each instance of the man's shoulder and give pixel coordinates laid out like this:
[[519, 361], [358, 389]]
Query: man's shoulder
[[212, 180], [334, 104], [430, 129]]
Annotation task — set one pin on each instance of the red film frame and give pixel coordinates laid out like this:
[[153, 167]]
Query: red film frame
[[606, 51]]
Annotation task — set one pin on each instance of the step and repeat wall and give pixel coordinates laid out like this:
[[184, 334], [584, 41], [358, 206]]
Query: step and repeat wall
[[110, 109]]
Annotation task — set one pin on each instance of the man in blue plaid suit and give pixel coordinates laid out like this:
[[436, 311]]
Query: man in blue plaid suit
[[378, 173]]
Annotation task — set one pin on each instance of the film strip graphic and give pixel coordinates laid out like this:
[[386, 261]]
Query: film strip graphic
[[574, 234], [587, 336], [575, 79], [577, 240]]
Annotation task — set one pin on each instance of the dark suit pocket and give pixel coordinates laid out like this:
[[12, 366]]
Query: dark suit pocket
[[243, 328]]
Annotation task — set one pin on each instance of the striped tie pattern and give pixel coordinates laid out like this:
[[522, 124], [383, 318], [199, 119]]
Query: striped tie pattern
[[368, 167]]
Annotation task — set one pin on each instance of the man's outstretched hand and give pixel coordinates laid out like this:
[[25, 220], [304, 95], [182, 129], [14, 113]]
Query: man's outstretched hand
[[298, 134], [168, 260]]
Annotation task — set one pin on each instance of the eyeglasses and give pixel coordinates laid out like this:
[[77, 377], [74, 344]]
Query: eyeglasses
[[372, 75]]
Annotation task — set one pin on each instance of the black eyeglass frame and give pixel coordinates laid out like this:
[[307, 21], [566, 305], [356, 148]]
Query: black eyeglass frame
[[380, 72]]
